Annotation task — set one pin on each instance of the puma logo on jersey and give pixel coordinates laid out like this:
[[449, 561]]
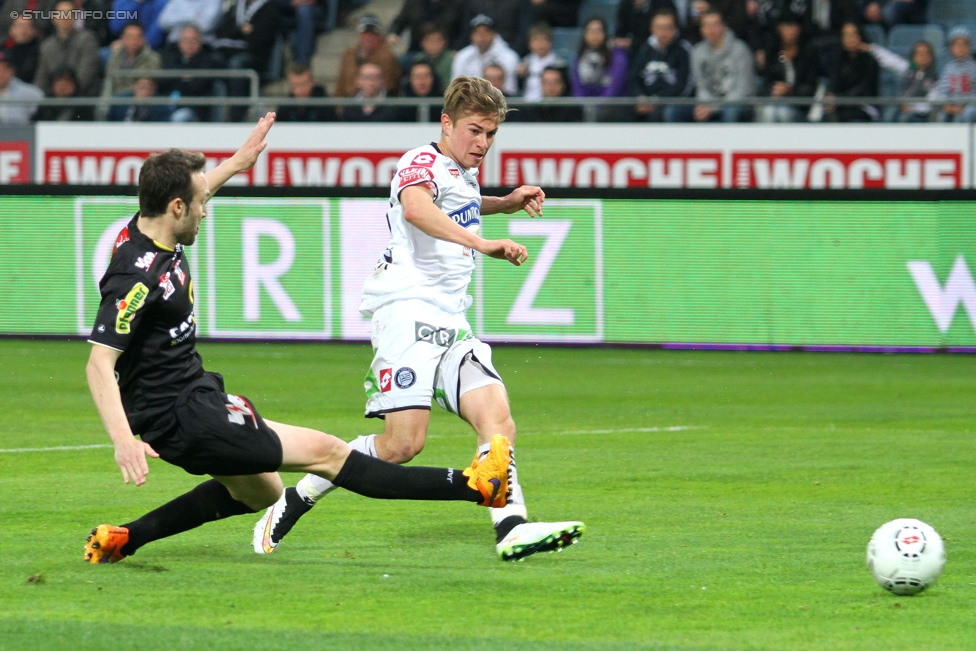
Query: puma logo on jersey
[[467, 215]]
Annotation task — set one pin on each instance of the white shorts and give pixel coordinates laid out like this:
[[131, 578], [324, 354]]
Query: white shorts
[[419, 351]]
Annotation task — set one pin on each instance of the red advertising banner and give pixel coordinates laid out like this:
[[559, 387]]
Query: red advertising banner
[[877, 156], [848, 170], [334, 168], [613, 170], [110, 167], [15, 161]]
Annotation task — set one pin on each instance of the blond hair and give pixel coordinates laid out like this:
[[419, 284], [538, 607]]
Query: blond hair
[[473, 95]]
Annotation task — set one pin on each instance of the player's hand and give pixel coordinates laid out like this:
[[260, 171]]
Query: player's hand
[[248, 154], [528, 198], [130, 455], [505, 250]]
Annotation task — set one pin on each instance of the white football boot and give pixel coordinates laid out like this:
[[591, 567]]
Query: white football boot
[[533, 537]]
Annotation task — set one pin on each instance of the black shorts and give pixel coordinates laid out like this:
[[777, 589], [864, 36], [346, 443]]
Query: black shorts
[[217, 433]]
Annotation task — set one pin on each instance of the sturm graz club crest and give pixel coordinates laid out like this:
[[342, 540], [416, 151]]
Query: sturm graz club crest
[[405, 377]]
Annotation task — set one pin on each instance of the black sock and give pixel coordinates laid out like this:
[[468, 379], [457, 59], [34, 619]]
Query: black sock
[[505, 526], [373, 477], [207, 502]]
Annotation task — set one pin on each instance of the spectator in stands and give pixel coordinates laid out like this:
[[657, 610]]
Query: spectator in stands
[[69, 47], [23, 48], [417, 15], [555, 83], [722, 66], [245, 38], [190, 54], [511, 20], [144, 87], [93, 19], [790, 70], [555, 13], [301, 20], [433, 45], [204, 14], [487, 46], [634, 20], [893, 12], [958, 79], [767, 15], [662, 68], [600, 70], [370, 48], [65, 86], [301, 85], [856, 76], [420, 82], [917, 74], [539, 58], [13, 8], [495, 75], [369, 83], [96, 20], [822, 23], [146, 12], [13, 88], [741, 18], [134, 54]]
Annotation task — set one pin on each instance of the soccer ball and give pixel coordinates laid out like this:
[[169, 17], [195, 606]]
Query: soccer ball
[[906, 556]]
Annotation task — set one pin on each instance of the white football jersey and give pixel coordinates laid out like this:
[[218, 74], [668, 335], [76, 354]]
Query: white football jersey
[[416, 265]]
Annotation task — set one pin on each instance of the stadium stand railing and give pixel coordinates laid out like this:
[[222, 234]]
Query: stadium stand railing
[[107, 99]]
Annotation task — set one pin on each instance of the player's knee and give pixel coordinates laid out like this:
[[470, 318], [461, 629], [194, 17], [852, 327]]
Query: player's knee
[[328, 450]]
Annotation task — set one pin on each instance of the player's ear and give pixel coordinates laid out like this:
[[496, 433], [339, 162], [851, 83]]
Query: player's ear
[[446, 123], [178, 207]]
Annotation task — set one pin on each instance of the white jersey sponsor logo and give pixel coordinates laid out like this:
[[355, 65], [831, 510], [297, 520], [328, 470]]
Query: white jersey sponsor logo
[[415, 265]]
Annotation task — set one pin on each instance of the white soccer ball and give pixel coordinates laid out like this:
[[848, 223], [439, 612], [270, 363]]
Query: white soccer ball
[[906, 556]]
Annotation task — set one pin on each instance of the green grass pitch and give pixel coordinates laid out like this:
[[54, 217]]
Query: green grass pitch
[[729, 498]]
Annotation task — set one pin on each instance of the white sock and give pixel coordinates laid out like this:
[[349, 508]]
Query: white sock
[[312, 488], [516, 503]]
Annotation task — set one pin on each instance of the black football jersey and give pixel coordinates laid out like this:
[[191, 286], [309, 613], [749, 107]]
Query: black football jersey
[[146, 312]]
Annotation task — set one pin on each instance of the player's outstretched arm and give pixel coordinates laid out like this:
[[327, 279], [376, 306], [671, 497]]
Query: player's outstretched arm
[[421, 212], [245, 157], [130, 453], [527, 197]]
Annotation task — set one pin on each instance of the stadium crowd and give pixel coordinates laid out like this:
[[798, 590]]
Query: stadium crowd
[[807, 52]]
